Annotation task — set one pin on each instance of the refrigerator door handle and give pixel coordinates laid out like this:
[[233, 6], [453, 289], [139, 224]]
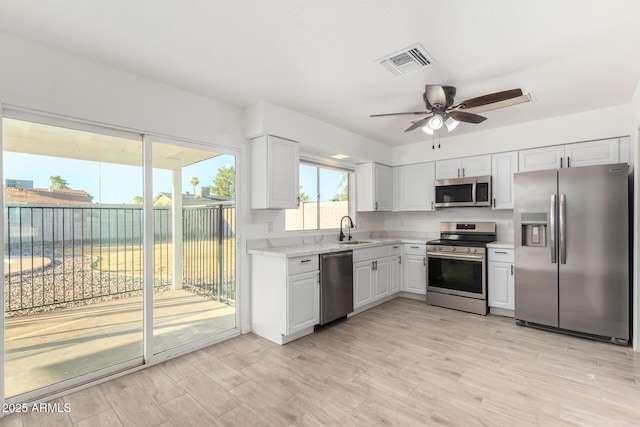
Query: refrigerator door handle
[[562, 229], [552, 228]]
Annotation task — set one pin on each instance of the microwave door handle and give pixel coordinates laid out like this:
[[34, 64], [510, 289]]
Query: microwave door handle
[[473, 191], [552, 229]]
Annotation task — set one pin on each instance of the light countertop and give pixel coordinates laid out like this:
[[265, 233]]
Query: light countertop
[[306, 249]]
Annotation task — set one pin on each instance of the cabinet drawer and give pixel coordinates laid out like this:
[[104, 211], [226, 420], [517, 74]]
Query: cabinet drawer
[[501, 255], [303, 264], [370, 253], [395, 249], [415, 249]]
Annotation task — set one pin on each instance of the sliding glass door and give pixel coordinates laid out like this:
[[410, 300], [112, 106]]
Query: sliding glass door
[[81, 298], [72, 241]]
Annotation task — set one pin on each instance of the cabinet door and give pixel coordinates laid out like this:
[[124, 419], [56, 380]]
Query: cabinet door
[[503, 165], [383, 187], [362, 283], [282, 173], [382, 276], [415, 274], [590, 153], [541, 158], [396, 274], [303, 301], [501, 282], [476, 166], [446, 169], [413, 185]]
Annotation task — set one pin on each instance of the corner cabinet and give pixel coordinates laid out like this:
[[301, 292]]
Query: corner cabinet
[[503, 166], [286, 296], [376, 275], [374, 187], [413, 187], [501, 281], [274, 173]]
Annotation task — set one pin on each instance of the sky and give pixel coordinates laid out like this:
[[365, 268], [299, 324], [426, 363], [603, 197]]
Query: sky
[[329, 182], [106, 182]]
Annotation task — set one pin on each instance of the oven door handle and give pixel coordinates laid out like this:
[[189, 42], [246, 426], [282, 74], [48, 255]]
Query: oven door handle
[[454, 256]]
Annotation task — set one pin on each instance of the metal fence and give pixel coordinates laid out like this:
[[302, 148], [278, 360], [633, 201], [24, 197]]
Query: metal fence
[[65, 255]]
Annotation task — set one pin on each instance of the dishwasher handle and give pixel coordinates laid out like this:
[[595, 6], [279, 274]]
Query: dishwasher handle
[[337, 254]]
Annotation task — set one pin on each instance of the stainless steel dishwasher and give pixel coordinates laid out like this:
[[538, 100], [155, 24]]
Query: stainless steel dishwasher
[[336, 285]]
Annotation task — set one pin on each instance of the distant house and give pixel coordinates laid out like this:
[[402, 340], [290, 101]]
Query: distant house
[[45, 196], [189, 200]]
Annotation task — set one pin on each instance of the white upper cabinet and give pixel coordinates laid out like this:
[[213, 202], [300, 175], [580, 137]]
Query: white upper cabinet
[[503, 166], [464, 167], [414, 190], [601, 152], [374, 187], [274, 173], [541, 158]]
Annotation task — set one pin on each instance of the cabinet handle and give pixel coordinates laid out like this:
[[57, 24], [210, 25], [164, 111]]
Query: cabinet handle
[[462, 171], [432, 205], [305, 260], [499, 252], [568, 164], [318, 278], [458, 172], [561, 159], [298, 201], [396, 247], [399, 260], [512, 269], [424, 261], [494, 202], [414, 247], [376, 206]]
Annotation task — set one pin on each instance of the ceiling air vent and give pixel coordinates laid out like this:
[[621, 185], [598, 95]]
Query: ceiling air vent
[[409, 59]]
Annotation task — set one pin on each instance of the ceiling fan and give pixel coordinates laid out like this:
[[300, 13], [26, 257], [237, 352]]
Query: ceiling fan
[[441, 109]]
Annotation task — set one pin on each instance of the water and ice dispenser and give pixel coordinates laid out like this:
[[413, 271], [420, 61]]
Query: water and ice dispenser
[[534, 229]]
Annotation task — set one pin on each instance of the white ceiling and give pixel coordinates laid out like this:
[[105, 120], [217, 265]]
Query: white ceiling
[[318, 57]]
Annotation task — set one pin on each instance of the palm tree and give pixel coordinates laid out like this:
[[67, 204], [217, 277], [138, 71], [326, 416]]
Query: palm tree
[[58, 183], [194, 181]]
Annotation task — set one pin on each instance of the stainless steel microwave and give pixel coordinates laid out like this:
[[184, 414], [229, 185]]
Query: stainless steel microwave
[[463, 192]]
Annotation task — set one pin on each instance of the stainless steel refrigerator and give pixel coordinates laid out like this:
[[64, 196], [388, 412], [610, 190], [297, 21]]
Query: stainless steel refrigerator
[[572, 250]]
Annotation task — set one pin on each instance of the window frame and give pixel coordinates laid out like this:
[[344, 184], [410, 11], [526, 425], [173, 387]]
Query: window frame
[[332, 167]]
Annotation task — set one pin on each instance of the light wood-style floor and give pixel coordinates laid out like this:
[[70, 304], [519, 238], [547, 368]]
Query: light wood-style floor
[[402, 363]]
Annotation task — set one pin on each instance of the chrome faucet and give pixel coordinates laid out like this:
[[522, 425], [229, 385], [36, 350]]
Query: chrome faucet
[[342, 236]]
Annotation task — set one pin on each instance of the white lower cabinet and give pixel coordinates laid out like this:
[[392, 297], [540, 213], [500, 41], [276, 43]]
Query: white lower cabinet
[[303, 301], [285, 295], [415, 269], [375, 274], [501, 281]]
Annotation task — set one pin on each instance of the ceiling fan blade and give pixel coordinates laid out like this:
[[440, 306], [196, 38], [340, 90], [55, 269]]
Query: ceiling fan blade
[[398, 114], [418, 124], [434, 96], [501, 104], [490, 98], [463, 116]]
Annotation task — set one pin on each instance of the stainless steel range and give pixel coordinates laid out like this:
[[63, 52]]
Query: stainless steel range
[[457, 275]]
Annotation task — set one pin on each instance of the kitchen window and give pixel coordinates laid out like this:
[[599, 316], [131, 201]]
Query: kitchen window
[[324, 199]]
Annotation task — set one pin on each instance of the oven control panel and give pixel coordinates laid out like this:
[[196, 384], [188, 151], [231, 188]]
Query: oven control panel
[[456, 249]]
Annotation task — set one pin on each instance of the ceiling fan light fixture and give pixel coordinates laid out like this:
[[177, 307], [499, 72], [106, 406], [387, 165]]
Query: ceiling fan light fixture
[[436, 122], [451, 123], [426, 129]]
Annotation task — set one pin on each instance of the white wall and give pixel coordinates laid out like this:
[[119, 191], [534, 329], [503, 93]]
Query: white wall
[[635, 149], [590, 125]]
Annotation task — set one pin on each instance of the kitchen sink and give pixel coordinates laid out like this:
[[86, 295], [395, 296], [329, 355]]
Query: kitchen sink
[[355, 242]]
